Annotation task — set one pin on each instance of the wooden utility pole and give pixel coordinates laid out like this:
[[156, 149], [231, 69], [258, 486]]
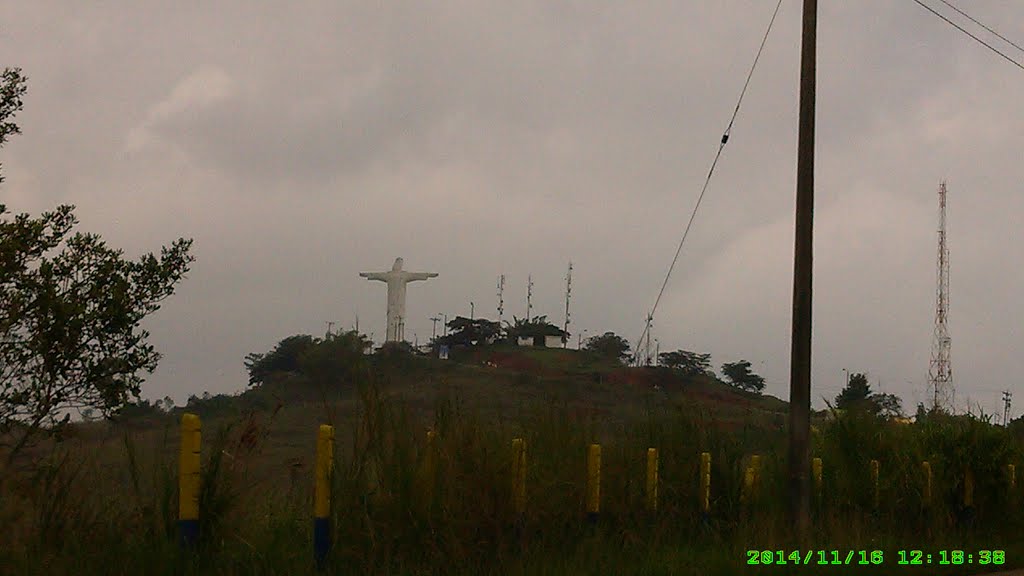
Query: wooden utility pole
[[800, 359]]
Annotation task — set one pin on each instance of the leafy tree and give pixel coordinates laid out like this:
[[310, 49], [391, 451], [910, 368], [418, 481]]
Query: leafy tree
[[70, 309], [856, 395], [340, 358], [536, 329], [689, 363], [138, 410], [283, 359], [12, 88], [608, 345], [740, 376], [921, 414], [887, 405], [463, 331]]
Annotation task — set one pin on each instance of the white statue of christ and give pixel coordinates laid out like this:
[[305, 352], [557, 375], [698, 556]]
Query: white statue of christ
[[397, 279]]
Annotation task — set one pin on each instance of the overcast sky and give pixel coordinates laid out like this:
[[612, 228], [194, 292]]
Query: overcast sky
[[302, 143]]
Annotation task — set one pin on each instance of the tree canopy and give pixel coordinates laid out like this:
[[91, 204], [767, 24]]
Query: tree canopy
[[609, 345], [338, 357], [857, 396], [464, 331], [70, 310], [533, 328], [740, 376], [283, 359], [689, 363]]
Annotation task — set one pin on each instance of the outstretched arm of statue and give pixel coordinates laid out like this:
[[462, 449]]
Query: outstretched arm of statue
[[414, 276], [382, 276]]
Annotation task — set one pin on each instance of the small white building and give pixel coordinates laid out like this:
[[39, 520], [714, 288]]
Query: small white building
[[542, 341]]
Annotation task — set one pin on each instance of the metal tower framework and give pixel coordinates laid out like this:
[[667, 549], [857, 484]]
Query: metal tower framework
[[940, 375], [501, 297], [529, 297], [568, 293]]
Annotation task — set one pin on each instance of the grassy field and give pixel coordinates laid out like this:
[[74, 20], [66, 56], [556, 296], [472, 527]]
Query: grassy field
[[104, 500]]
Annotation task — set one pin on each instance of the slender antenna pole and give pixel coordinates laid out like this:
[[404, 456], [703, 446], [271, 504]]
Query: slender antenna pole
[[529, 296], [568, 292]]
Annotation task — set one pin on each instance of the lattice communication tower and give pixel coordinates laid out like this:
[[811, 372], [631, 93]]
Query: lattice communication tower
[[940, 375]]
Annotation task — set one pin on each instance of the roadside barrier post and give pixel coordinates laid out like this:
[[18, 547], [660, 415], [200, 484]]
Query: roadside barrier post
[[593, 482], [705, 484], [968, 488], [652, 480], [188, 480], [322, 495], [519, 476], [926, 493], [874, 483], [816, 475], [429, 469]]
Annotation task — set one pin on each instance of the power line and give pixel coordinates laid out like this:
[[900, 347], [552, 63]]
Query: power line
[[960, 28], [711, 171], [972, 19]]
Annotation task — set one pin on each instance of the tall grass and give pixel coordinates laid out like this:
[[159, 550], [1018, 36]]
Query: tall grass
[[403, 505]]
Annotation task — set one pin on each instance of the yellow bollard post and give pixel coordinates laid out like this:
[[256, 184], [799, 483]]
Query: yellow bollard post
[[652, 480], [188, 480], [322, 494], [593, 482], [748, 486], [968, 488], [875, 482], [705, 484], [429, 468], [816, 475], [926, 496], [755, 464], [519, 475]]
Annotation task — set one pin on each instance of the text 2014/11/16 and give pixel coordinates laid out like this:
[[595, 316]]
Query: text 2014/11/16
[[819, 557], [867, 557]]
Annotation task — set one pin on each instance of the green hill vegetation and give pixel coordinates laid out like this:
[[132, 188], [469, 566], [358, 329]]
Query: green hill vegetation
[[105, 497]]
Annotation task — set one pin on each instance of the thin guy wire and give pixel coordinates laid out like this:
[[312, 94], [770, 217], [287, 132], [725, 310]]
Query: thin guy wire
[[707, 181], [972, 19], [960, 28]]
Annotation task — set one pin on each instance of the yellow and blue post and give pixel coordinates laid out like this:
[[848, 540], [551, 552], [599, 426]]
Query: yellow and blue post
[[874, 482], [519, 476], [705, 485], [322, 494], [968, 488], [926, 494], [755, 465], [652, 480], [816, 475], [429, 469], [188, 480], [593, 482]]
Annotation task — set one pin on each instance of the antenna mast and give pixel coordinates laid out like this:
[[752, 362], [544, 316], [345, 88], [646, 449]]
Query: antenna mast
[[650, 319], [568, 292], [529, 296], [1006, 407], [501, 297], [940, 376]]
